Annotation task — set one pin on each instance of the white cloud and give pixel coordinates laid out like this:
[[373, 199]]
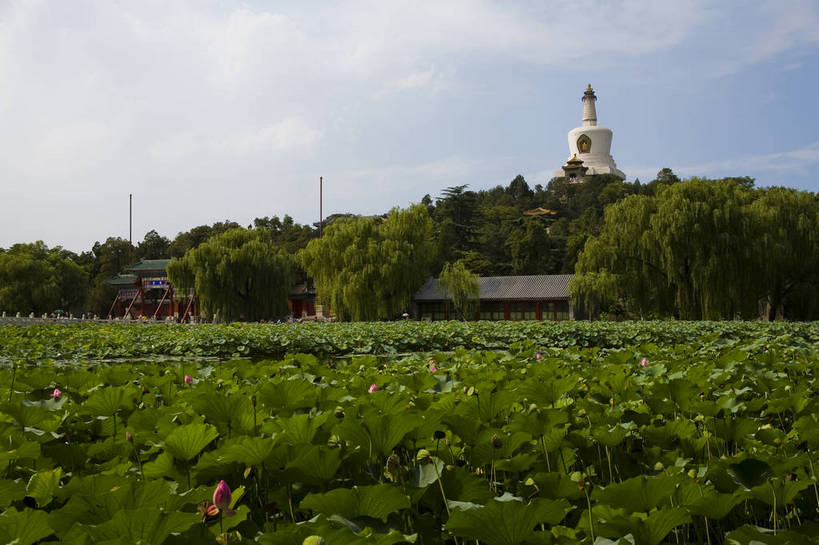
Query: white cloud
[[798, 161], [243, 100]]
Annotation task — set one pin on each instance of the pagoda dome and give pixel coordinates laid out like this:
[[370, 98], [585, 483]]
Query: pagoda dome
[[591, 142]]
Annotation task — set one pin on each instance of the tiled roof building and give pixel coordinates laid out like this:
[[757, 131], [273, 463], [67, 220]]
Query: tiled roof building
[[531, 297]]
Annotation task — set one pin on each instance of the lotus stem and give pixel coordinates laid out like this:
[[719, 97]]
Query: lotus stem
[[545, 454], [591, 519], [13, 375], [608, 458], [773, 490], [813, 475]]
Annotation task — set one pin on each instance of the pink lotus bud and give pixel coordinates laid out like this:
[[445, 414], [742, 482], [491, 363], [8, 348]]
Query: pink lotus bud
[[221, 496], [432, 362], [373, 388], [128, 436], [644, 363], [56, 393], [538, 356], [432, 368], [188, 379]]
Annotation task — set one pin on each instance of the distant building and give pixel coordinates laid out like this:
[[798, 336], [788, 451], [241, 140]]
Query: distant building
[[589, 146], [145, 291], [533, 297]]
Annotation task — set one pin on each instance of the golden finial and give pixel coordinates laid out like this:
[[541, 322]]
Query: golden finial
[[589, 89]]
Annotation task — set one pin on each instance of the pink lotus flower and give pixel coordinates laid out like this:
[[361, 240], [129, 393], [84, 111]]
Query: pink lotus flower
[[128, 436], [56, 393], [373, 388], [432, 362], [432, 368], [538, 356], [222, 498], [188, 379], [644, 363]]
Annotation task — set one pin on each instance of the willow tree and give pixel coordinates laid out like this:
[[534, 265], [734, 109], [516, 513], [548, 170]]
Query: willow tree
[[238, 274], [369, 268], [686, 252], [460, 285], [786, 244]]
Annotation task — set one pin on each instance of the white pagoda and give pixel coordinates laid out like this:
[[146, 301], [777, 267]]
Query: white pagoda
[[591, 144]]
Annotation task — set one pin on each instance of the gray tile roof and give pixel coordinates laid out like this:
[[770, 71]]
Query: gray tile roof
[[504, 288], [149, 265]]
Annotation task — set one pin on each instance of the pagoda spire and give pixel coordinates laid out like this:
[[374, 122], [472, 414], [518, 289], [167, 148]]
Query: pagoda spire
[[589, 111]]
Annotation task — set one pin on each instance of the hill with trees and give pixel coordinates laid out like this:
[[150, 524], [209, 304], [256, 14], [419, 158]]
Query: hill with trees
[[689, 249]]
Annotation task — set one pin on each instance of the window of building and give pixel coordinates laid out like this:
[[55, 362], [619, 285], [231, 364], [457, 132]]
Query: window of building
[[523, 310], [492, 311], [434, 311]]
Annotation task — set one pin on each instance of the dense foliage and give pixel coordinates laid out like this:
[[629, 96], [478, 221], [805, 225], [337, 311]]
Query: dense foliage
[[461, 286], [34, 278], [122, 340], [238, 274], [369, 268], [705, 249], [685, 251], [712, 440]]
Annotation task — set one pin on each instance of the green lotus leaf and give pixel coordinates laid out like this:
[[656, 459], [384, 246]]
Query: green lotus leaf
[[714, 505], [288, 395], [43, 485], [427, 473], [750, 472], [11, 491], [645, 530], [754, 535], [779, 491], [250, 451], [222, 409], [317, 463], [301, 428], [508, 522], [146, 526], [375, 501], [17, 448], [185, 442], [638, 494], [23, 527], [161, 466], [107, 401]]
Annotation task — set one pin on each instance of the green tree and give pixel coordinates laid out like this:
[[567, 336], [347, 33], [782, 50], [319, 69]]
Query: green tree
[[786, 249], [699, 249], [369, 268], [238, 274], [109, 259], [36, 279], [460, 285], [153, 246], [196, 236]]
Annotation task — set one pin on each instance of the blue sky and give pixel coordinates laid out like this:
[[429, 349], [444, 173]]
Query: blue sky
[[208, 111]]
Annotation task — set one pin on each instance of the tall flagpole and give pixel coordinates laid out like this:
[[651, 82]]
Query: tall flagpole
[[321, 205]]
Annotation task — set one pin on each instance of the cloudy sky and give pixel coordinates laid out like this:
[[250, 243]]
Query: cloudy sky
[[218, 110]]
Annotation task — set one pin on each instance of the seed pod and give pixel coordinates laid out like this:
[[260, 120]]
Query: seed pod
[[497, 442], [423, 455], [439, 434]]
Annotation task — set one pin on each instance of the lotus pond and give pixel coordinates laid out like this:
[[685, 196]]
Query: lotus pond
[[599, 436]]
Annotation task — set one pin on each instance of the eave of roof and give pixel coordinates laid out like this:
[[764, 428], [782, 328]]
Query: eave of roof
[[149, 265], [507, 288]]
